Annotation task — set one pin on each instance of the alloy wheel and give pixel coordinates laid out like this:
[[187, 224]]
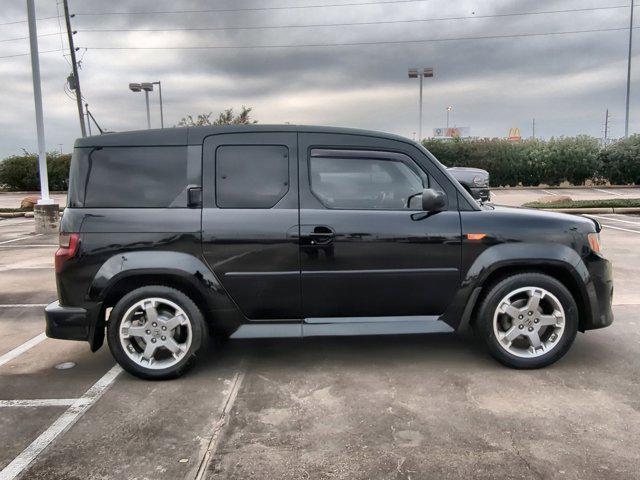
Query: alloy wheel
[[529, 322], [155, 333]]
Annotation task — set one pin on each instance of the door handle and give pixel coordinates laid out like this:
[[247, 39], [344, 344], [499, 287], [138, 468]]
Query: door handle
[[194, 197], [318, 235]]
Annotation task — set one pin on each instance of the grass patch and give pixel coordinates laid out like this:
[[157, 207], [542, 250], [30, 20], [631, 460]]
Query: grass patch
[[608, 203]]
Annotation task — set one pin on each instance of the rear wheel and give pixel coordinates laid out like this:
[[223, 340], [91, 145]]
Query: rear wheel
[[528, 320], [156, 332]]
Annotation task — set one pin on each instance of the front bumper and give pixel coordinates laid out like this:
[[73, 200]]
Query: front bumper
[[600, 292], [71, 323]]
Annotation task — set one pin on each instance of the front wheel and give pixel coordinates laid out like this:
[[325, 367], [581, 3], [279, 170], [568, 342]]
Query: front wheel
[[528, 320], [156, 332]]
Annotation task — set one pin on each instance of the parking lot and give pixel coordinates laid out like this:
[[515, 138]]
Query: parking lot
[[397, 407]]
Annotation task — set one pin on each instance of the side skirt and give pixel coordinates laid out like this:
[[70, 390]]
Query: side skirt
[[345, 326]]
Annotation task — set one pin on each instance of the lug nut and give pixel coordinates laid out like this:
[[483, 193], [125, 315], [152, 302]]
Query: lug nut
[[520, 326], [530, 313], [536, 320], [164, 328], [148, 332], [520, 317], [153, 340], [163, 338], [531, 329], [154, 324]]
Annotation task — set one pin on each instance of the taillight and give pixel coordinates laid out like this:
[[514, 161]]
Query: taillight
[[69, 243]]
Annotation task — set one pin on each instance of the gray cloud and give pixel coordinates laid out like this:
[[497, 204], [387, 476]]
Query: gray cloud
[[565, 82]]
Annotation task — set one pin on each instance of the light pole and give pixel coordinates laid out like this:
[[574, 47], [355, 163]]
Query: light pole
[[449, 108], [626, 116], [148, 87], [415, 73]]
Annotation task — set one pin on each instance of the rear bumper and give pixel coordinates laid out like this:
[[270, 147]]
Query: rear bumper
[[70, 323], [600, 292]]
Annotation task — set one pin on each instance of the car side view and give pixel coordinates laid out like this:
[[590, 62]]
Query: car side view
[[177, 235]]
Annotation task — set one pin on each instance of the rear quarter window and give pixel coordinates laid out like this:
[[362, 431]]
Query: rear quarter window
[[128, 177]]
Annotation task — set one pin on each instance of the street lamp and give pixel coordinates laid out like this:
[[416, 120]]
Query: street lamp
[[416, 73], [449, 108], [148, 87]]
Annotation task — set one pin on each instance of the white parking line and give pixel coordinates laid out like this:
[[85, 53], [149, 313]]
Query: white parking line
[[23, 305], [61, 425], [16, 352], [550, 193], [30, 245], [609, 193], [21, 238], [622, 229], [39, 402], [613, 219]]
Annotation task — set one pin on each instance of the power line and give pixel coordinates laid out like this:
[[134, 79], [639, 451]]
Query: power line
[[25, 21], [364, 43], [26, 54], [251, 9], [380, 22], [26, 38]]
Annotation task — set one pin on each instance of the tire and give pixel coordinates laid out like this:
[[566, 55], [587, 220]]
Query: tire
[[511, 334], [165, 344]]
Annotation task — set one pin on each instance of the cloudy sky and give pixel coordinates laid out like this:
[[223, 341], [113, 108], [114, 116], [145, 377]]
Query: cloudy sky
[[564, 81]]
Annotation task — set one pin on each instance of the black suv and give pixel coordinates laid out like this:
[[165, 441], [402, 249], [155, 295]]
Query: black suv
[[171, 236]]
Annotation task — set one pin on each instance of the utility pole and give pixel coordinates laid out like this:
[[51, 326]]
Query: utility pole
[[606, 128], [533, 128], [626, 117], [74, 64]]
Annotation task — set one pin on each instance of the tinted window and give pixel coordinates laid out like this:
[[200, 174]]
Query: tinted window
[[251, 176], [130, 177], [364, 183]]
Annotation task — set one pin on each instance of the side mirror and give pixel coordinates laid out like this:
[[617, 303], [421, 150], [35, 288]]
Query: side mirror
[[433, 200]]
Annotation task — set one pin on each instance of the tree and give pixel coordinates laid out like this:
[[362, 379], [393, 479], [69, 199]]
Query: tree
[[224, 118]]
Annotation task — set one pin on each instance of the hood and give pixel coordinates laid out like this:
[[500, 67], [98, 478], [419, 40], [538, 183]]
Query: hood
[[544, 216]]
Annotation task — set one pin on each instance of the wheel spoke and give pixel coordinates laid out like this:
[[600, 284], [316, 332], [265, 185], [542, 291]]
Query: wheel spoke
[[550, 320], [150, 312], [138, 331], [511, 334], [173, 346], [149, 351], [534, 338], [175, 321], [510, 310], [534, 300]]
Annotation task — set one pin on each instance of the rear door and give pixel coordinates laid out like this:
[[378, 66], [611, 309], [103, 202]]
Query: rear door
[[250, 222], [364, 252]]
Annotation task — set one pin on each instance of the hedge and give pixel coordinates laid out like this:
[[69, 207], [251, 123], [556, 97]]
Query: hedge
[[551, 162], [20, 172], [529, 163]]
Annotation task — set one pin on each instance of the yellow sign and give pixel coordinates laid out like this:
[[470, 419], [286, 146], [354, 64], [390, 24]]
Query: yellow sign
[[514, 134]]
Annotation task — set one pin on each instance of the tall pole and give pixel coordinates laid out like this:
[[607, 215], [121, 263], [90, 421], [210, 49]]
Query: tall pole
[[533, 128], [626, 117], [37, 96], [606, 127], [161, 109], [420, 116], [74, 64], [448, 118], [86, 106], [146, 97]]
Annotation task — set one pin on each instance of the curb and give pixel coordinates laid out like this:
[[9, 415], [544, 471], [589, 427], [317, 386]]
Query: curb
[[577, 211], [569, 187], [11, 214]]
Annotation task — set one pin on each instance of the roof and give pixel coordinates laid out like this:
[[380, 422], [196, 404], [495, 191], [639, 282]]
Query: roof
[[195, 135]]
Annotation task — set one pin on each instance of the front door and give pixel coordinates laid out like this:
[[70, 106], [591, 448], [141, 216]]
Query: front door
[[250, 221], [366, 249]]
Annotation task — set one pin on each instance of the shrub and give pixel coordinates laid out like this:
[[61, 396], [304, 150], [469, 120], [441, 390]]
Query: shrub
[[21, 172], [528, 163], [620, 162]]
